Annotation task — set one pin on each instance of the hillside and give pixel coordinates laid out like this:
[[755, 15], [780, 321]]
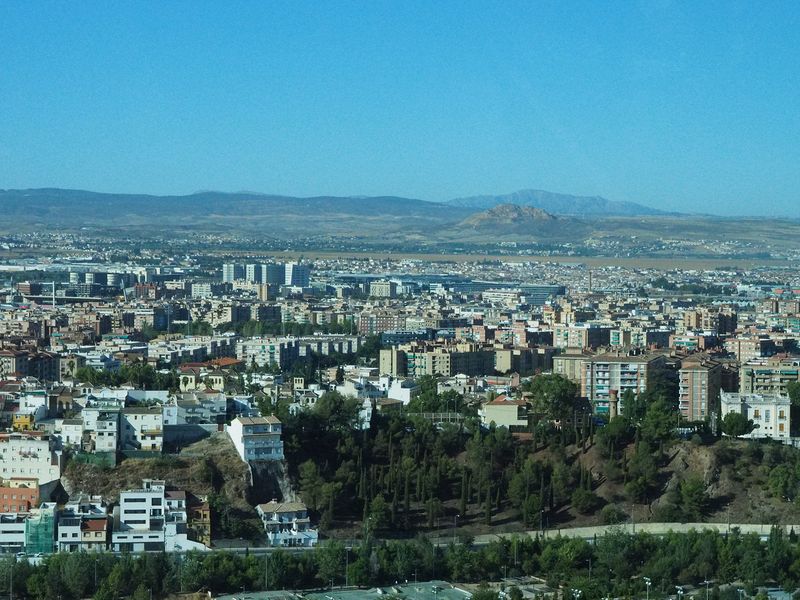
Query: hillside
[[735, 474], [218, 211], [210, 467], [561, 204], [511, 222]]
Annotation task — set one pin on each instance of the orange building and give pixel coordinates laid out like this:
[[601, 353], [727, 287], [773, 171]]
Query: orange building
[[19, 495]]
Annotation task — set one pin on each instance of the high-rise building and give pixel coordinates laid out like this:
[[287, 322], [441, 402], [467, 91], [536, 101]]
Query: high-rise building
[[700, 383], [273, 274], [230, 272], [252, 273], [297, 274], [618, 372]]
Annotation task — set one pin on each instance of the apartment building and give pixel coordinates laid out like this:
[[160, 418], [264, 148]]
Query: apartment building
[[142, 428], [418, 359], [13, 362], [581, 335], [618, 371], [750, 348], [700, 384], [31, 455], [383, 289], [572, 364], [264, 352], [256, 438], [139, 518], [19, 495], [769, 375]]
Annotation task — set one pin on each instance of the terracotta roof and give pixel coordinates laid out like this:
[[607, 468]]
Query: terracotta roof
[[503, 400], [94, 524]]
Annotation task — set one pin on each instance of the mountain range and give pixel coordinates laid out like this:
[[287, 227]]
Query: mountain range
[[528, 216]]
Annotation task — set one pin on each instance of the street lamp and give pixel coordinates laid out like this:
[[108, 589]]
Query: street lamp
[[680, 591], [741, 593], [706, 583], [576, 594], [648, 582], [455, 522]]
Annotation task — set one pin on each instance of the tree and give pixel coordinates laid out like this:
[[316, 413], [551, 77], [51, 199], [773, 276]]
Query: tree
[[735, 424], [553, 396], [330, 562], [793, 390], [379, 513], [614, 436], [633, 405], [584, 501], [311, 484], [659, 421], [694, 499]]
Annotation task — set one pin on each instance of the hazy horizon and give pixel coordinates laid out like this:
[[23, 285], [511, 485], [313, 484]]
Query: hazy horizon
[[676, 106]]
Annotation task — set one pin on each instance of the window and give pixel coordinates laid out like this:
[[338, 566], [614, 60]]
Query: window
[[756, 414], [781, 415]]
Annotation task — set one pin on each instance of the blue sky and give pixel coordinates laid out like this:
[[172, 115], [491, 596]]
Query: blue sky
[[691, 106]]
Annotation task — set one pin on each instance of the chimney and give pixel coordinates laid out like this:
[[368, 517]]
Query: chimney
[[613, 403]]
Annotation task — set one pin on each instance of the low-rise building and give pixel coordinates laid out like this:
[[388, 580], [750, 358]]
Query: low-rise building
[[505, 411], [770, 413], [287, 524]]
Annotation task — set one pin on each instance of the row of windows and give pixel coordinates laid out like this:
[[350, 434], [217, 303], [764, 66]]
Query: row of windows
[[768, 414]]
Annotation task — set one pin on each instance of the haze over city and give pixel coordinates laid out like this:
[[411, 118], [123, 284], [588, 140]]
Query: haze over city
[[680, 106]]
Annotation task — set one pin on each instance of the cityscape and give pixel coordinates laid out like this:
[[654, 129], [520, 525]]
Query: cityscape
[[272, 325]]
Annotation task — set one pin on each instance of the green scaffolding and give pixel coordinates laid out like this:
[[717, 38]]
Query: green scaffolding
[[40, 533]]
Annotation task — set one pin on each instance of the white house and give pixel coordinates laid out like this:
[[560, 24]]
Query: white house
[[287, 524], [142, 428], [770, 413], [404, 390], [257, 438]]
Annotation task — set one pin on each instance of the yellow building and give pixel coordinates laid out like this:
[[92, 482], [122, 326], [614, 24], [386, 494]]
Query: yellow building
[[22, 421]]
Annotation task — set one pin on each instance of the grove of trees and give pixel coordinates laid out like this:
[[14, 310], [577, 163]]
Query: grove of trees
[[613, 565]]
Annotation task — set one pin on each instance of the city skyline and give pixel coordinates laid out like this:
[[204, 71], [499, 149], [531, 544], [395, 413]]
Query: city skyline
[[669, 105]]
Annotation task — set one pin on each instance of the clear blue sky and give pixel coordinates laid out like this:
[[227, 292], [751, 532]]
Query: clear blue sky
[[691, 106]]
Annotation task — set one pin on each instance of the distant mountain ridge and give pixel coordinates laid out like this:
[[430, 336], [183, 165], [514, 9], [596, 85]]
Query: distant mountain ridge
[[559, 204], [508, 214], [512, 219]]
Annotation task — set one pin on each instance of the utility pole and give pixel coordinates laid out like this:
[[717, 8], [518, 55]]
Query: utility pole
[[266, 569]]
